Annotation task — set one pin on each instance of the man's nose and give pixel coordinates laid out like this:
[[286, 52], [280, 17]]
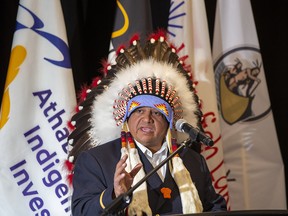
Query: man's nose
[[148, 116]]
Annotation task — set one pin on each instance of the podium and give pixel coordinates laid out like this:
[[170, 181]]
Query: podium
[[242, 213]]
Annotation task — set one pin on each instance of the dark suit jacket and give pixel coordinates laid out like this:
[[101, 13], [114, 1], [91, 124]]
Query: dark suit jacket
[[94, 176]]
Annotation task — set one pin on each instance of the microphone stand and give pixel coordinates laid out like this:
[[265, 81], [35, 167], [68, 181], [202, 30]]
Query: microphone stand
[[126, 197]]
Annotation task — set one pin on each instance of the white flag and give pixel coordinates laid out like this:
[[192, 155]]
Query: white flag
[[188, 28], [38, 100], [250, 143]]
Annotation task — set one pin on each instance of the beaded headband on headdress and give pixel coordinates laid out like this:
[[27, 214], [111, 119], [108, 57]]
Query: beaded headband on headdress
[[148, 101], [155, 70]]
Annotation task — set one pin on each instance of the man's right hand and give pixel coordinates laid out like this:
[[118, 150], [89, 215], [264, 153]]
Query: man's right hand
[[122, 179]]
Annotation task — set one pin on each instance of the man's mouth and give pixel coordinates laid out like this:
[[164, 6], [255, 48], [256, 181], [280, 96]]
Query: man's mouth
[[147, 129]]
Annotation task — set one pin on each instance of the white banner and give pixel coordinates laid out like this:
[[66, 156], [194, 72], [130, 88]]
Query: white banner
[[38, 100], [251, 150], [188, 29]]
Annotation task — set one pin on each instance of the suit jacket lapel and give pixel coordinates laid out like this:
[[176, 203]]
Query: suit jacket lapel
[[154, 180], [168, 183], [156, 184]]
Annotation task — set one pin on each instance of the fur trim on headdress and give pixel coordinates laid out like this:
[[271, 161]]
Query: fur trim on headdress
[[186, 187]]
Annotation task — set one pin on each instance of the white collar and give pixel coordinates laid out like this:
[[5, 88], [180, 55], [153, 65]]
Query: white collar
[[146, 151]]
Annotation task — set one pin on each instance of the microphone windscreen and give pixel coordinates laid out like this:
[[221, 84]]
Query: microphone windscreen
[[179, 124]]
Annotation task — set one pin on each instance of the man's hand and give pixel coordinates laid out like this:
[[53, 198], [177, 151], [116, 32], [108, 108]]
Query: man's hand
[[122, 179]]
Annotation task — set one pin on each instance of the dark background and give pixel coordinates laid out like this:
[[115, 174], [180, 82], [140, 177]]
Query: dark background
[[89, 25]]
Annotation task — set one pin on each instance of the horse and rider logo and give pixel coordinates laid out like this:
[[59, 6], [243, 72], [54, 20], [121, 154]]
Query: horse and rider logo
[[238, 76]]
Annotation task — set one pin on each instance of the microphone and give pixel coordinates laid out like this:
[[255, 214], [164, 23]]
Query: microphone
[[194, 133]]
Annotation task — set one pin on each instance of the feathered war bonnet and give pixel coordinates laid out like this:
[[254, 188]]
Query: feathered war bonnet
[[152, 71]]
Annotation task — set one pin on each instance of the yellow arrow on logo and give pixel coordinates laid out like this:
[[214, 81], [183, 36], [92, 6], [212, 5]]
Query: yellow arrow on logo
[[18, 54]]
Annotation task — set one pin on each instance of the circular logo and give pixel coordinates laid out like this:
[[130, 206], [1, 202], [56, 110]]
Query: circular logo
[[242, 93]]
